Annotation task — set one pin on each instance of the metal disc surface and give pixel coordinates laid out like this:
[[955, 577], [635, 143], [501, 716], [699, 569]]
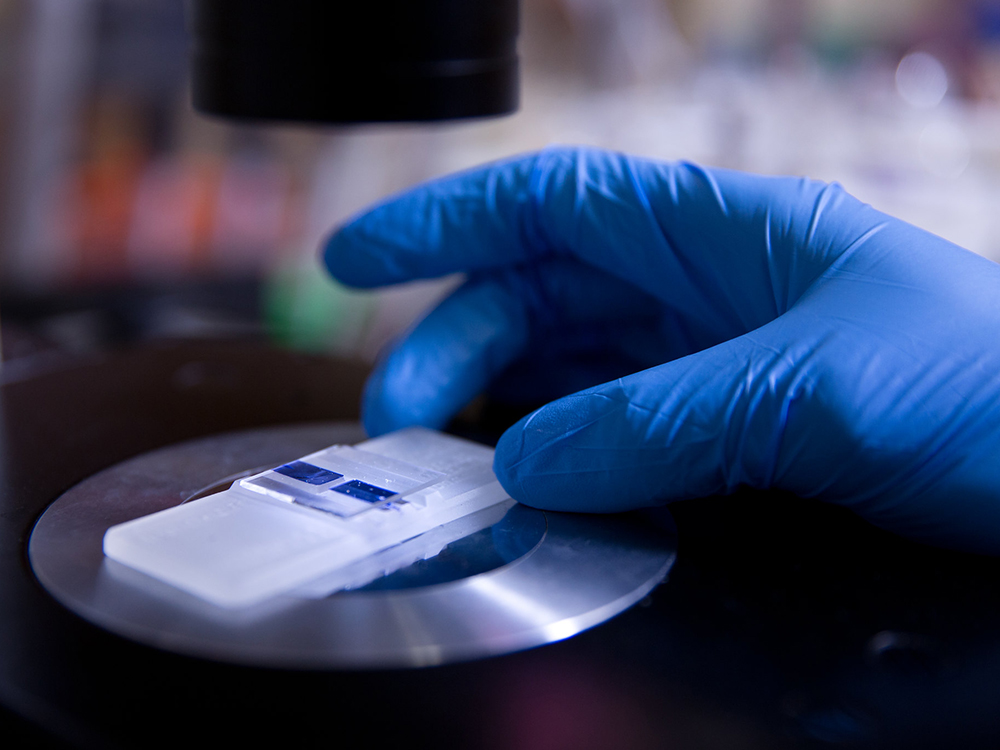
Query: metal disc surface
[[575, 572]]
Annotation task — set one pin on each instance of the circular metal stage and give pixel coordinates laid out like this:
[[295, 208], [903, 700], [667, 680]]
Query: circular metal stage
[[568, 572]]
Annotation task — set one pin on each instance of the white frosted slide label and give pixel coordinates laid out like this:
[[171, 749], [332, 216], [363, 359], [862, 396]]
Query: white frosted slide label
[[336, 518]]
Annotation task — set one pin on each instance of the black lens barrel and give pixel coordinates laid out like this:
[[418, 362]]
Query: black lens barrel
[[344, 62]]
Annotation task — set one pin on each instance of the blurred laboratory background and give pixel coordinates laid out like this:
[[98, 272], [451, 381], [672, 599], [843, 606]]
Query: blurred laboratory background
[[125, 216]]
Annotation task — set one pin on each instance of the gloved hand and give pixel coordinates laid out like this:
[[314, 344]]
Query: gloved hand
[[785, 335]]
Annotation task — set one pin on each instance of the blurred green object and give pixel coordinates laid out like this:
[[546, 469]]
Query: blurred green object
[[305, 309]]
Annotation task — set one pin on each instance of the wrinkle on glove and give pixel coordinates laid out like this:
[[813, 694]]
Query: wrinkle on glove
[[792, 337]]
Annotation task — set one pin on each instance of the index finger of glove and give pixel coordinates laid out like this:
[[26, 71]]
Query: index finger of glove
[[730, 250]]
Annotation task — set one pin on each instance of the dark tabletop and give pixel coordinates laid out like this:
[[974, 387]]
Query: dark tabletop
[[784, 623]]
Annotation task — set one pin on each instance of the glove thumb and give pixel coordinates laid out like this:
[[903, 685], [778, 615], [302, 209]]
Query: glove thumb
[[692, 427]]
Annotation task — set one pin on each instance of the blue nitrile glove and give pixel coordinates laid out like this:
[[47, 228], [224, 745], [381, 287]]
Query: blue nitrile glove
[[794, 338]]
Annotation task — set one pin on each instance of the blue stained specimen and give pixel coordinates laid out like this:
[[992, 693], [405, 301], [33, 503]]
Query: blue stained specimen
[[308, 473], [363, 491]]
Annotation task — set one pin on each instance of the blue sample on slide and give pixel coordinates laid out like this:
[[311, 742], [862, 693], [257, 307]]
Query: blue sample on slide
[[363, 491], [308, 473]]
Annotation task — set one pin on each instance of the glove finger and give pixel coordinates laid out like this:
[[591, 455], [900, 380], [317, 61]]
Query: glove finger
[[831, 415], [728, 250], [696, 426], [482, 328]]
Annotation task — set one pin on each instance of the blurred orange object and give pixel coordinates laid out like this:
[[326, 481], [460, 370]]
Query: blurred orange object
[[102, 190], [173, 218]]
